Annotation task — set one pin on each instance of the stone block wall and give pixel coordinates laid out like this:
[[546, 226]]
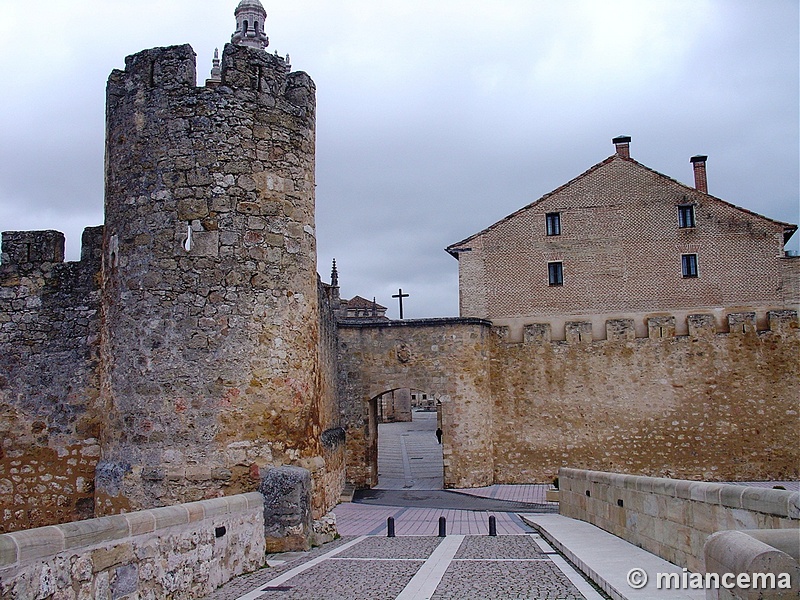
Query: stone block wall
[[709, 405], [329, 477], [49, 329], [672, 518], [447, 358], [178, 552]]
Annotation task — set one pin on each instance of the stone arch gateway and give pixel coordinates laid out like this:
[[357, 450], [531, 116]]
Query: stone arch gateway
[[449, 358]]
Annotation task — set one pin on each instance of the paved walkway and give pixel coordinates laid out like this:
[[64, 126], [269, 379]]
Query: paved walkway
[[467, 564], [417, 564], [409, 457], [457, 567]]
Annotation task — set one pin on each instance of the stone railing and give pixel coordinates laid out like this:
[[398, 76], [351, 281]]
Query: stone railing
[[672, 518], [182, 551]]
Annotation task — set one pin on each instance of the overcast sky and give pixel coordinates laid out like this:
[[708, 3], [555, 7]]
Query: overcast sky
[[435, 119]]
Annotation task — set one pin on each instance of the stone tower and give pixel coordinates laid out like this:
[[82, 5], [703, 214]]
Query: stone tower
[[210, 331]]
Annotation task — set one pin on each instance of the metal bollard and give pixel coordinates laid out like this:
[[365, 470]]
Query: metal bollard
[[442, 527], [390, 527], [492, 526]]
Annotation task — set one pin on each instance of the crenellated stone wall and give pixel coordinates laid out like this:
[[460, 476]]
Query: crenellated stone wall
[[708, 405], [193, 345], [49, 329]]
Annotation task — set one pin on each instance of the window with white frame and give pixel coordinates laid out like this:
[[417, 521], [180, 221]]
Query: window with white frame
[[555, 273], [689, 265], [686, 216]]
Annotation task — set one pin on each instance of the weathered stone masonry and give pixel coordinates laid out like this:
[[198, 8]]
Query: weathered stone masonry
[[193, 345], [49, 327], [708, 405], [210, 339], [448, 358]]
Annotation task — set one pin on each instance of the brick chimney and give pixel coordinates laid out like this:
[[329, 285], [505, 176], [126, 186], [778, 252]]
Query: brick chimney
[[623, 146], [700, 181]]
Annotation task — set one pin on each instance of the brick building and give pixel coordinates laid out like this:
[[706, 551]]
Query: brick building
[[624, 241]]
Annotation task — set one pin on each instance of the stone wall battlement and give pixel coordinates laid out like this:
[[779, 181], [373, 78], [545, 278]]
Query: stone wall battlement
[[189, 346], [49, 331], [656, 327], [42, 250]]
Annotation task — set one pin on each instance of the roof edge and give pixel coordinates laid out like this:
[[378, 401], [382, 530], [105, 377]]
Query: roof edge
[[452, 249]]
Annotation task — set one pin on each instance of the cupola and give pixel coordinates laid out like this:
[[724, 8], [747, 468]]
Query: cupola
[[250, 18]]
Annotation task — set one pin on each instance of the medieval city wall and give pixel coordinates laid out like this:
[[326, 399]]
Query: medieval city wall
[[210, 345], [447, 358], [49, 330], [707, 405], [193, 345]]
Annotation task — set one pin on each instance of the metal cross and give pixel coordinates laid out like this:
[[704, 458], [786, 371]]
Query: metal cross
[[400, 295]]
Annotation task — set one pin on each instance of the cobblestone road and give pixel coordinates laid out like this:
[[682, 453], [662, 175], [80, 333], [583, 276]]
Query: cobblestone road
[[456, 567]]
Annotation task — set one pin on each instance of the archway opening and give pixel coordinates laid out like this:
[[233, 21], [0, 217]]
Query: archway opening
[[409, 450]]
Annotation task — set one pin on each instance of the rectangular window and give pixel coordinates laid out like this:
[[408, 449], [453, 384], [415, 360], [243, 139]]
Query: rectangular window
[[553, 223], [686, 215], [689, 263], [555, 273]]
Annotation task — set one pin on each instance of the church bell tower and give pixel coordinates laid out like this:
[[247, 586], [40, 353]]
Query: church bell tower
[[250, 19]]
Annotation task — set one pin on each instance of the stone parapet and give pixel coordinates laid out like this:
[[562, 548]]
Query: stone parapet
[[773, 554], [181, 552], [626, 326], [672, 518]]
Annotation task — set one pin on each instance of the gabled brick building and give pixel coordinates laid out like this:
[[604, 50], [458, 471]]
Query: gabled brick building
[[624, 241]]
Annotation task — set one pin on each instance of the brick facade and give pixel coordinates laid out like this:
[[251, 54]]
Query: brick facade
[[620, 244]]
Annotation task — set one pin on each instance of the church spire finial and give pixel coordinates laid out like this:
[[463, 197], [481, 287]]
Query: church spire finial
[[250, 19], [334, 275], [216, 71]]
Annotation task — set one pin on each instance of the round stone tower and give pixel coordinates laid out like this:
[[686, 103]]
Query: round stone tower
[[210, 327]]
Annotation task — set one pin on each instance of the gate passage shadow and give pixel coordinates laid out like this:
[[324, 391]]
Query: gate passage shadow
[[447, 500], [409, 455]]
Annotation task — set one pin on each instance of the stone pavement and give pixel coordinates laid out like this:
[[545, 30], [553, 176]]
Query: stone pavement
[[417, 568], [409, 457], [417, 564], [467, 564]]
